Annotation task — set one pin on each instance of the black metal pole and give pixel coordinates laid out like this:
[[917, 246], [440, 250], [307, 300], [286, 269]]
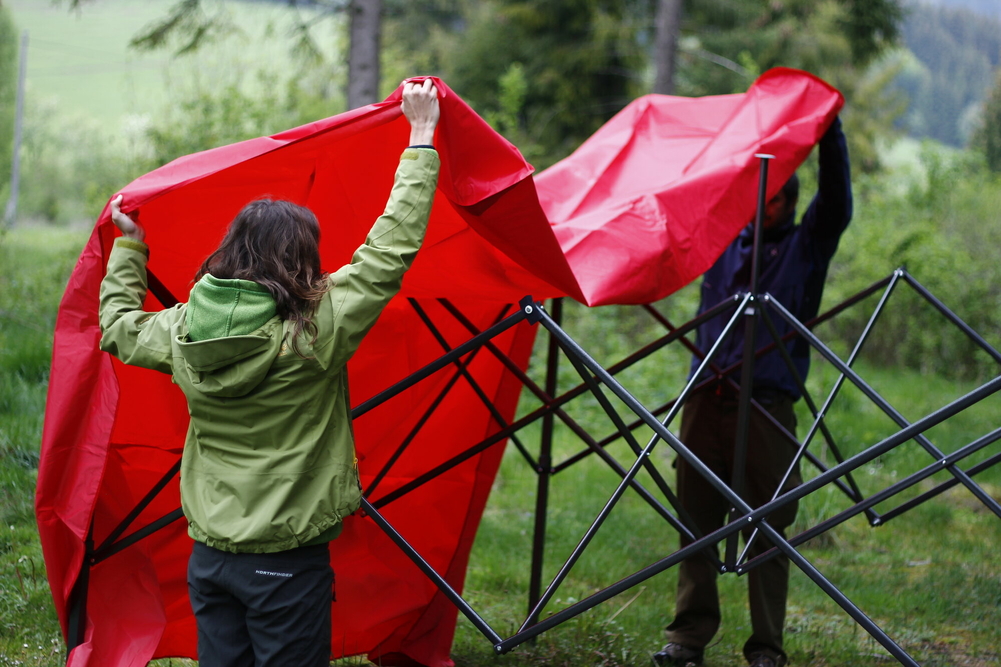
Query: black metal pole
[[508, 430], [752, 516], [430, 573], [835, 594], [877, 498], [604, 442], [818, 414], [428, 413], [442, 361], [882, 447], [160, 291], [502, 435], [573, 349], [545, 469], [941, 488], [851, 490], [463, 370], [756, 515], [687, 526], [395, 456], [593, 446], [76, 623], [856, 350], [110, 549], [883, 405], [555, 404], [810, 324], [747, 371], [759, 218], [659, 427], [952, 317], [743, 422], [141, 505]]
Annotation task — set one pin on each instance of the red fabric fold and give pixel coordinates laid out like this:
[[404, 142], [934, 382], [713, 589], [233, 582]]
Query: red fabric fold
[[649, 202]]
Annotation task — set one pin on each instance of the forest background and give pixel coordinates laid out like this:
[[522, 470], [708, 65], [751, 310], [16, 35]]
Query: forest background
[[119, 87]]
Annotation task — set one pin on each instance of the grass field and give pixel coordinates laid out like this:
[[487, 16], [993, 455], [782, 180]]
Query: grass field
[[34, 265], [80, 60], [929, 578]]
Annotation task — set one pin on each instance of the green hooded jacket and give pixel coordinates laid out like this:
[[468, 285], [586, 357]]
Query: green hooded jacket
[[269, 461]]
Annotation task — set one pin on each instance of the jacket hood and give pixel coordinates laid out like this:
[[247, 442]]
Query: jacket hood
[[219, 307], [230, 338], [231, 366]]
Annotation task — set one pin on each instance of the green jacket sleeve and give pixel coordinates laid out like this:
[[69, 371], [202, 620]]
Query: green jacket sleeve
[[132, 335], [360, 290]]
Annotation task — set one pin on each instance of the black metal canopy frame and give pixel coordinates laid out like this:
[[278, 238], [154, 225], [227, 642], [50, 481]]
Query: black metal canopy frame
[[596, 380]]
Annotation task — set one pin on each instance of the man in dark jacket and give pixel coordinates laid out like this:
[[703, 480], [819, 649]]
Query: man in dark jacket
[[793, 267]]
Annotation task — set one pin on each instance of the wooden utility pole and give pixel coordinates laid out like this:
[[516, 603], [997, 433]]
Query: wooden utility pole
[[363, 57], [668, 23], [10, 214]]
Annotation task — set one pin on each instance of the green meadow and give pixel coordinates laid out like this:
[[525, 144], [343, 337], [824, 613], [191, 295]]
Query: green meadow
[[80, 63]]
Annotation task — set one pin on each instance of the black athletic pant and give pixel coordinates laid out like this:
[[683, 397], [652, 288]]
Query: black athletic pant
[[262, 610]]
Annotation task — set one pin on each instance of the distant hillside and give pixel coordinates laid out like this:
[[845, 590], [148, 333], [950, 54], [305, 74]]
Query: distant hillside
[[956, 52], [985, 7]]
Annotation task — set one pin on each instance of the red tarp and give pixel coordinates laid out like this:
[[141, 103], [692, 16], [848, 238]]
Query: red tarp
[[641, 209]]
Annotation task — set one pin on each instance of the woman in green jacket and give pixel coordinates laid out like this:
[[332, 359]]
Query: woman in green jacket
[[260, 351]]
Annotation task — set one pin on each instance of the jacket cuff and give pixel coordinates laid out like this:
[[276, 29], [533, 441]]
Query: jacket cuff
[[132, 244], [413, 152]]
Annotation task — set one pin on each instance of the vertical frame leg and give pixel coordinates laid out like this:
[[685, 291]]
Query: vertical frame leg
[[545, 469]]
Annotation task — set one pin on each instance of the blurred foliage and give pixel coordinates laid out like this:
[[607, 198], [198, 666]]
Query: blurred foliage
[[71, 165], [954, 55], [188, 25], [210, 114], [572, 64], [726, 44], [821, 37], [8, 94], [987, 139], [943, 230], [583, 60]]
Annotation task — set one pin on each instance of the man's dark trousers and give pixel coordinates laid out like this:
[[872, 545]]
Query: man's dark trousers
[[708, 428], [265, 610]]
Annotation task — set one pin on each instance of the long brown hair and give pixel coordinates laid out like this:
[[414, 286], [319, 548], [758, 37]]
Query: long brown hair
[[277, 244]]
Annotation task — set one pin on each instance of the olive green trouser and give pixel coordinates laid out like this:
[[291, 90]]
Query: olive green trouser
[[708, 428]]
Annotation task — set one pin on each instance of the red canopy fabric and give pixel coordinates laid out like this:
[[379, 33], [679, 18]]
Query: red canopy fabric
[[649, 202], [641, 209]]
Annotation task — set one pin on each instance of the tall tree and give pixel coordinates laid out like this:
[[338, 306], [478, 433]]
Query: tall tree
[[668, 31], [581, 63], [365, 50], [988, 136]]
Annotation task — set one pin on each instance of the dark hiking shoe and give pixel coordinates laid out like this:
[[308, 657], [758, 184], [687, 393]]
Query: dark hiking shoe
[[677, 655], [762, 660]]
